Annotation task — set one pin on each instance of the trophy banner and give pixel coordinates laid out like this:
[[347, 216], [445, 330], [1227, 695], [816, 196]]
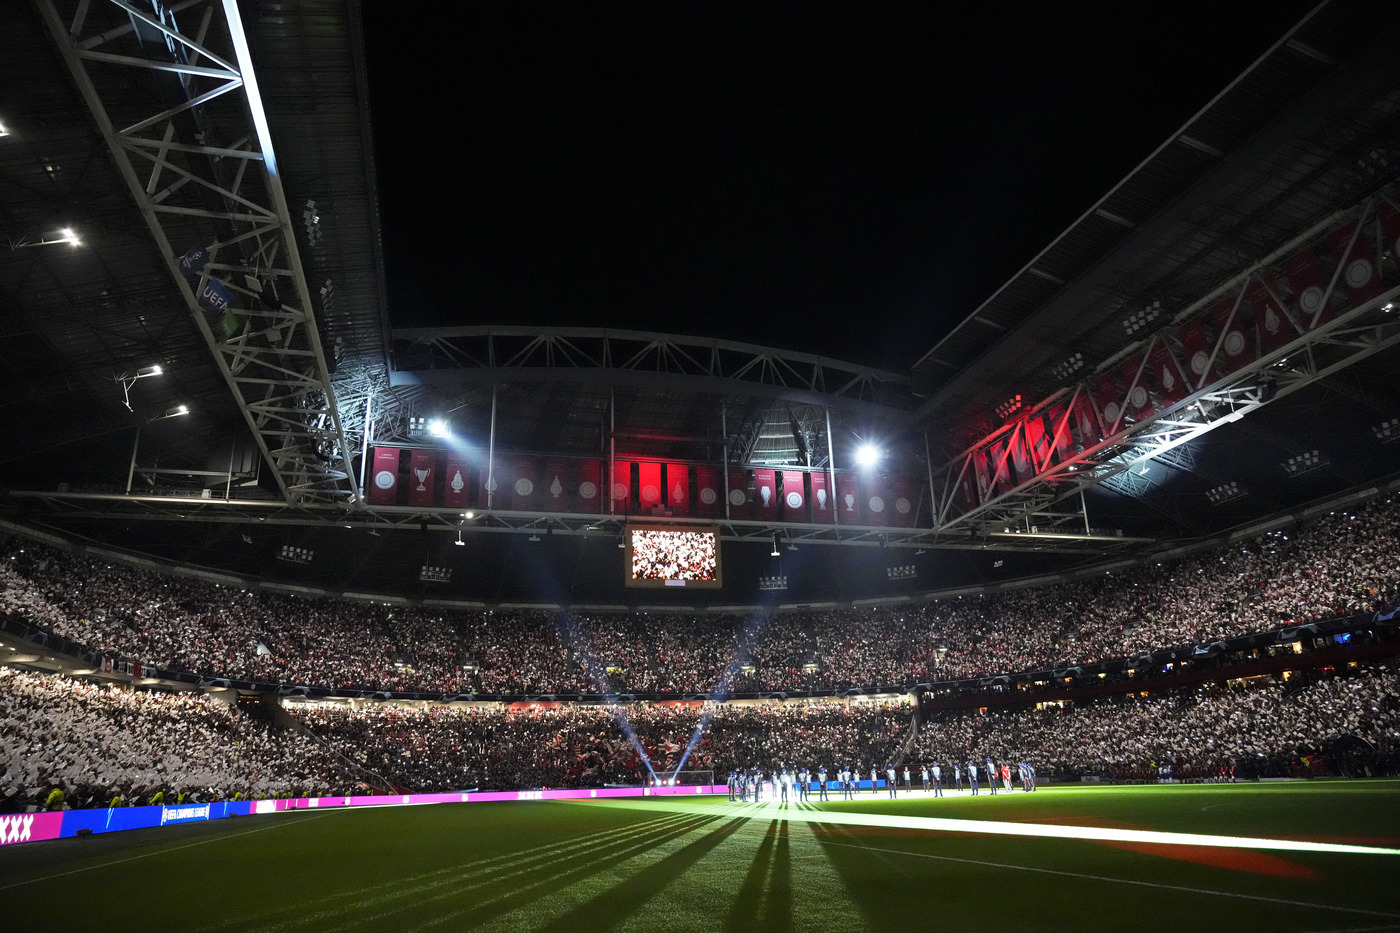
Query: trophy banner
[[1086, 420], [524, 485], [1020, 454], [765, 494], [709, 491], [821, 501], [456, 481], [649, 485], [878, 504], [1276, 328], [794, 496], [384, 476], [558, 480], [590, 485], [1171, 380], [848, 504], [678, 488], [738, 492], [422, 477]]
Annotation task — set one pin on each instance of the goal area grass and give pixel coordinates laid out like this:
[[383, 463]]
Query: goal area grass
[[1315, 856]]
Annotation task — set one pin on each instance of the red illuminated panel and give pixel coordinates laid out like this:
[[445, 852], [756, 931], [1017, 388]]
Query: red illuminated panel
[[678, 488], [621, 486], [649, 484]]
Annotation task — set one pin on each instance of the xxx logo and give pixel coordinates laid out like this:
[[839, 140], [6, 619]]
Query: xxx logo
[[15, 829]]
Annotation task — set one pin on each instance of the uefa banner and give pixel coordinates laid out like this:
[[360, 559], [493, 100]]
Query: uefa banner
[[558, 486], [384, 476], [678, 488], [823, 504], [422, 477], [709, 491], [649, 485], [456, 481], [738, 492], [621, 484], [794, 496], [590, 486]]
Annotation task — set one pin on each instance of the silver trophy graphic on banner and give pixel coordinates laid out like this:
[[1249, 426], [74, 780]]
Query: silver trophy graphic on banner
[[422, 479]]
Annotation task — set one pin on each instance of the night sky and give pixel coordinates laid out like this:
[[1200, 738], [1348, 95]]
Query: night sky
[[832, 178]]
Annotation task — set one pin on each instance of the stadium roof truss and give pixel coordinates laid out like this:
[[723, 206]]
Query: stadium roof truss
[[984, 487], [174, 94], [500, 354]]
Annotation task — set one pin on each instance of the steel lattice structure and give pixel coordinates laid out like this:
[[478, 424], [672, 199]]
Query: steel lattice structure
[[1322, 347], [194, 148]]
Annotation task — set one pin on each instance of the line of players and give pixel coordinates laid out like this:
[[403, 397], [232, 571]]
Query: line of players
[[787, 785]]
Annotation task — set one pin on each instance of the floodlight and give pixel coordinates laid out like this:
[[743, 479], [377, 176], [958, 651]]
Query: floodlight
[[3, 131], [439, 428], [867, 455]]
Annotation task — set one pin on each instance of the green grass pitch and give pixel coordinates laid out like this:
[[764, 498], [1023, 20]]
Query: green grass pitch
[[1015, 861]]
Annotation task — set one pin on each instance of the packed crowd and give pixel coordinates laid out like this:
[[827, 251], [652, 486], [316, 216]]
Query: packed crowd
[[1272, 728], [440, 748], [673, 555], [1342, 563], [114, 746]]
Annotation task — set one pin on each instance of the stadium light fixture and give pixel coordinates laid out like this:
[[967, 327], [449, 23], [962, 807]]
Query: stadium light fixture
[[777, 549], [128, 381], [867, 455], [3, 132], [439, 428], [459, 542], [176, 412], [65, 235]]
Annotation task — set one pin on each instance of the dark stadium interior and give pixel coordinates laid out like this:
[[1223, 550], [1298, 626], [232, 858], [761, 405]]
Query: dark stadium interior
[[418, 410]]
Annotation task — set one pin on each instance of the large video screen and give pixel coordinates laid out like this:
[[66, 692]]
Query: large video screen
[[672, 555]]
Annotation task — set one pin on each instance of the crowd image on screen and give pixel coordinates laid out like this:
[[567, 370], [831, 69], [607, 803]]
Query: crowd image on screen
[[673, 555]]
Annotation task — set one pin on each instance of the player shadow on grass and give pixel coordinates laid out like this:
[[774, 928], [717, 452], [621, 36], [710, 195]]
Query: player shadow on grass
[[610, 908], [766, 894]]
